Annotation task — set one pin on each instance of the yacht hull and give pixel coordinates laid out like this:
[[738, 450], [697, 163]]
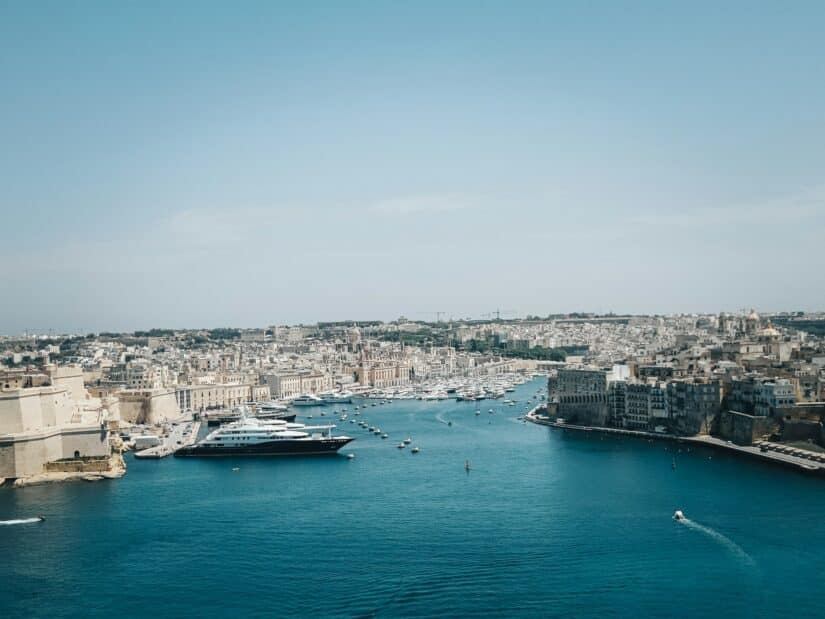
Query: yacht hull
[[327, 446]]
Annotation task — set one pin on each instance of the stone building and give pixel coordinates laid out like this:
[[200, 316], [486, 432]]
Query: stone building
[[582, 396], [693, 405], [48, 416], [198, 398], [383, 374]]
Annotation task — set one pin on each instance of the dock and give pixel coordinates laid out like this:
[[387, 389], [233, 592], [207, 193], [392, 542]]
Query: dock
[[798, 459], [178, 437]]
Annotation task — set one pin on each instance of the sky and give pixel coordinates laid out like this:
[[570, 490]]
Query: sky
[[197, 164]]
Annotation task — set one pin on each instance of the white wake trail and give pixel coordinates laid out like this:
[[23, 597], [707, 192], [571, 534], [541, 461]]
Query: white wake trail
[[725, 541], [19, 521]]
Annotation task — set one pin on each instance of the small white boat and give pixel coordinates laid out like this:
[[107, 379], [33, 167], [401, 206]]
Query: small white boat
[[385, 435], [678, 515], [415, 450], [350, 456], [407, 440], [401, 445]]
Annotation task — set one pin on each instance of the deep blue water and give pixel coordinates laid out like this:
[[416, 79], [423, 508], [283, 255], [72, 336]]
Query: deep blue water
[[546, 523]]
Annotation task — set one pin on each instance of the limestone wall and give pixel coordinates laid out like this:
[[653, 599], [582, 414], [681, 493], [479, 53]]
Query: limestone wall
[[801, 430], [30, 410], [742, 429], [28, 456], [153, 406], [85, 443], [78, 466]]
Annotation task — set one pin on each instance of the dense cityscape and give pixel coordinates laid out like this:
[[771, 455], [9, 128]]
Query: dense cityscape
[[71, 405]]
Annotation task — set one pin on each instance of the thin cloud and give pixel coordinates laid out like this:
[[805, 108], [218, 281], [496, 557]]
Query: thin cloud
[[421, 204]]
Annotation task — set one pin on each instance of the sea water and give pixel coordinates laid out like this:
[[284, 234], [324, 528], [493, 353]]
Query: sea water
[[545, 523]]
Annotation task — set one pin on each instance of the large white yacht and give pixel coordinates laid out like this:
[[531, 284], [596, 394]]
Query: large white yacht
[[337, 397], [257, 437], [307, 399]]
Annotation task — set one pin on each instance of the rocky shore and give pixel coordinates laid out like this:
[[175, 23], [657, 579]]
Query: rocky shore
[[117, 468]]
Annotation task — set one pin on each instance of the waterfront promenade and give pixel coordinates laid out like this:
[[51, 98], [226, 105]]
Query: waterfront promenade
[[804, 463]]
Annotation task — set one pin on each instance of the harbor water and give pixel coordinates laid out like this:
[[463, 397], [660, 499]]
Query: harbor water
[[544, 523]]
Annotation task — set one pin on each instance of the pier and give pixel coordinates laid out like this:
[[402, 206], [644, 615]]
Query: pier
[[179, 436], [798, 459]]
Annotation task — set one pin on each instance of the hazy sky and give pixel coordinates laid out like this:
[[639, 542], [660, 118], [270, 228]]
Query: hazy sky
[[192, 164]]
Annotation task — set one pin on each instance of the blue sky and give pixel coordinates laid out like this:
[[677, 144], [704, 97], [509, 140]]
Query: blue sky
[[196, 164]]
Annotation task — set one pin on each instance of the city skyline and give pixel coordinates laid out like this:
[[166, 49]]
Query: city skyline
[[207, 165]]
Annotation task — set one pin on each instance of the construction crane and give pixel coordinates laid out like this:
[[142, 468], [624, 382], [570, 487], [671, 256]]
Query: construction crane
[[497, 314]]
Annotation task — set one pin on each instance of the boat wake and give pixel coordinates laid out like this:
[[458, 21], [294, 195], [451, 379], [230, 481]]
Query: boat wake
[[732, 547], [20, 521]]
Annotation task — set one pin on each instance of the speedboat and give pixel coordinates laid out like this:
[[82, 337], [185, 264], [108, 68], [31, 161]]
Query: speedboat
[[678, 515]]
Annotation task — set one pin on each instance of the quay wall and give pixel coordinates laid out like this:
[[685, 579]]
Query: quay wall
[[797, 465], [29, 454], [802, 430]]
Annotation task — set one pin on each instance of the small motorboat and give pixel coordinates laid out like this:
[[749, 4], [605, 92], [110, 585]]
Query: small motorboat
[[350, 456], [678, 515], [401, 445], [467, 465], [407, 440], [415, 450], [385, 435], [235, 469], [41, 517]]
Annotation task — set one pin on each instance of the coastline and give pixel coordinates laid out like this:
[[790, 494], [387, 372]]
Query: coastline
[[798, 464]]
